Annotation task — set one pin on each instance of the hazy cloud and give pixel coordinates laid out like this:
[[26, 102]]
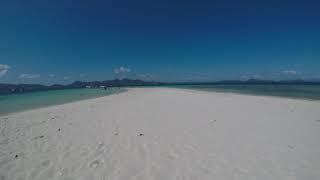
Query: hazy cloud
[[245, 77], [289, 72], [145, 75], [29, 76], [256, 76], [66, 77], [121, 70], [253, 76], [4, 69], [52, 75]]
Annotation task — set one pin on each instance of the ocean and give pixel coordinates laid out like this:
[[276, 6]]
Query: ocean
[[309, 92], [21, 102]]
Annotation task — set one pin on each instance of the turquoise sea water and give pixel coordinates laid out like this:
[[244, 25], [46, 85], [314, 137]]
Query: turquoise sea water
[[21, 102], [311, 92]]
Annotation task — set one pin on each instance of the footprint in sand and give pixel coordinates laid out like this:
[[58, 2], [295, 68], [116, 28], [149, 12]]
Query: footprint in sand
[[49, 173], [18, 170], [2, 177], [94, 164], [34, 174], [64, 172], [66, 155], [84, 152], [213, 121], [289, 177], [21, 177], [100, 149], [38, 169], [5, 161], [290, 147], [100, 146], [45, 163], [173, 155]]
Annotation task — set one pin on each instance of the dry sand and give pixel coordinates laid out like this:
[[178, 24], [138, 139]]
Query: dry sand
[[163, 134]]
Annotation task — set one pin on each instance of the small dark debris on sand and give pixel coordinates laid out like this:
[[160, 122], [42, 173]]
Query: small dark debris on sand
[[39, 137], [291, 147], [116, 134], [141, 134], [59, 129], [16, 156]]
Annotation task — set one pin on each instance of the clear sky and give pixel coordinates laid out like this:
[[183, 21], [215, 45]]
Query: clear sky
[[59, 41]]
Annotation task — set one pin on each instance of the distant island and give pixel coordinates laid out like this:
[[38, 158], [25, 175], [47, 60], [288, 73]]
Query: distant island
[[23, 88]]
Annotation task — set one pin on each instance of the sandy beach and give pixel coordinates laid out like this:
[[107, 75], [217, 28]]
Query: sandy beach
[[164, 134]]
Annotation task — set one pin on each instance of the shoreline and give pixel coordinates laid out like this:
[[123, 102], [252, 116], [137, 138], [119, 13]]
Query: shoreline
[[252, 94], [54, 104], [183, 89], [234, 91]]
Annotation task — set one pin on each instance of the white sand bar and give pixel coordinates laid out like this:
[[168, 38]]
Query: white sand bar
[[164, 134]]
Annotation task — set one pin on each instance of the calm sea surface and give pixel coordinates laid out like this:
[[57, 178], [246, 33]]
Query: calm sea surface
[[311, 92], [21, 102]]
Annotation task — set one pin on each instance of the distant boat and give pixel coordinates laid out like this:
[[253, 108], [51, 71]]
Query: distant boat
[[104, 87]]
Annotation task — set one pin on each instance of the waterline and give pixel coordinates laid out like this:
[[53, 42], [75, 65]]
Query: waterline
[[21, 102], [310, 92]]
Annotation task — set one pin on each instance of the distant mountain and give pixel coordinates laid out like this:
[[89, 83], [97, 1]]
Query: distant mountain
[[22, 88], [113, 83]]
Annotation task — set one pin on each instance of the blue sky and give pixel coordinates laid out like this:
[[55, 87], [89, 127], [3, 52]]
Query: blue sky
[[164, 40]]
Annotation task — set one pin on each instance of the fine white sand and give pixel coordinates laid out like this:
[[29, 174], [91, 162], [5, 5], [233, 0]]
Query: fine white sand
[[164, 134]]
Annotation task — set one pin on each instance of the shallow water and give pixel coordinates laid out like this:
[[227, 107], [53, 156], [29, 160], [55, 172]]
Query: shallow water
[[21, 102], [311, 92]]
